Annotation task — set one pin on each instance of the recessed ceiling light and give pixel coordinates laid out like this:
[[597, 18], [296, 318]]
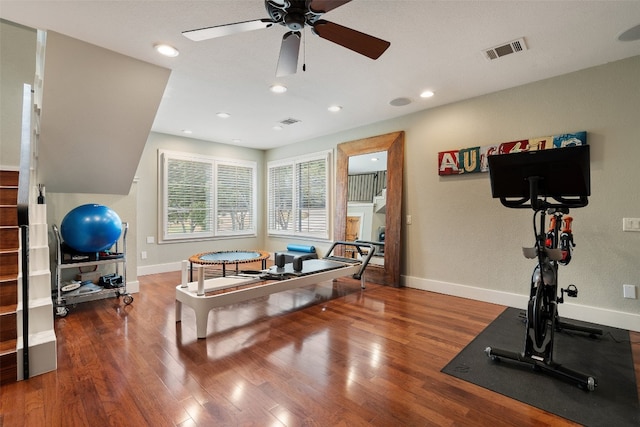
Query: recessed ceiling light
[[374, 159], [187, 131], [166, 50], [223, 115], [427, 94], [277, 127], [278, 89], [334, 108]]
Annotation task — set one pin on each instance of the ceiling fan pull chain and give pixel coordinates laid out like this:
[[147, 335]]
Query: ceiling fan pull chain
[[304, 49]]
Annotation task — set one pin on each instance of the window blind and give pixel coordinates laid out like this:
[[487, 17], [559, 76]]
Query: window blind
[[188, 198], [235, 198], [298, 196], [194, 205]]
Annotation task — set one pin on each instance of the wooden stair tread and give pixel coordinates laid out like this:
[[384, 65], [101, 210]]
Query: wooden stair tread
[[8, 309], [9, 178], [8, 346], [9, 256], [7, 277], [8, 272]]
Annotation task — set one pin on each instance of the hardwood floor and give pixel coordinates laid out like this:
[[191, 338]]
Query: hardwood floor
[[327, 355]]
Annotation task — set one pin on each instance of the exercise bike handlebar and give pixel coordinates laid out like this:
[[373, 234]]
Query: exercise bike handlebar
[[538, 204]]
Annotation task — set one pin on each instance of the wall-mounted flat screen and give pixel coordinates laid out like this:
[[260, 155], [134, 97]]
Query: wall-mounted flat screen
[[561, 173]]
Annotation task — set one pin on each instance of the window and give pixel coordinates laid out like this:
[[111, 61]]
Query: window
[[204, 197], [235, 198], [298, 196]]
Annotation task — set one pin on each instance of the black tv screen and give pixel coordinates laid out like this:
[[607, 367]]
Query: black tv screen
[[562, 172]]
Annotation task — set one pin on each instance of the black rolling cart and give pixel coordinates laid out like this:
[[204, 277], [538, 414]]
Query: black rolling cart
[[550, 182]]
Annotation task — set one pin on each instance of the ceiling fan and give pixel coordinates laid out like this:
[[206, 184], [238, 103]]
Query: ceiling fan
[[295, 15]]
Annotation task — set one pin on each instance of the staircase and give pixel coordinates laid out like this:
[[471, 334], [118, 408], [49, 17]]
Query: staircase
[[9, 251], [42, 338], [25, 318], [41, 335]]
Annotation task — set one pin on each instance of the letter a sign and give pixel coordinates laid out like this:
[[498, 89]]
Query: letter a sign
[[448, 163]]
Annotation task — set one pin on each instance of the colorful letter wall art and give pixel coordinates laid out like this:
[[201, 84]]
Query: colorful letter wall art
[[474, 159]]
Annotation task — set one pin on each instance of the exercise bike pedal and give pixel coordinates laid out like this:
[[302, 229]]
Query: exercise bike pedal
[[571, 291]]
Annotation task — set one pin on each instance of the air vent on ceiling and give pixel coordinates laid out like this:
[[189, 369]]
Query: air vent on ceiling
[[289, 121], [514, 46]]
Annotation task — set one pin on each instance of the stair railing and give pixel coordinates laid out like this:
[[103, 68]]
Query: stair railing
[[23, 218]]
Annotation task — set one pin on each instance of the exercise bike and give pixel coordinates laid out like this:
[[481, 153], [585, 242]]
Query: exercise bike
[[552, 249]]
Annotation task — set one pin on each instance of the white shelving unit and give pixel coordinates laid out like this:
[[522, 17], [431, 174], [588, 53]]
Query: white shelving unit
[[93, 292]]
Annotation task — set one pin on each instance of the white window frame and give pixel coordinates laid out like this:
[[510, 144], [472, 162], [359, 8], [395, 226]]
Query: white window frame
[[293, 230], [164, 158]]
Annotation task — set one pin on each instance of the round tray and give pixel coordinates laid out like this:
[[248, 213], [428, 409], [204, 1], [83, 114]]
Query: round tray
[[70, 287]]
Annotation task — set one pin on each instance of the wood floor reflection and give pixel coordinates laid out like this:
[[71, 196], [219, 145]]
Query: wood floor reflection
[[326, 355]]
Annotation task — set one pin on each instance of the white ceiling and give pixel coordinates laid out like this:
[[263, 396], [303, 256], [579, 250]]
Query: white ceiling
[[367, 163], [436, 45]]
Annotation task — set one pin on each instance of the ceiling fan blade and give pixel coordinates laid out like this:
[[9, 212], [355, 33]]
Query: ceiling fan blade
[[362, 43], [227, 29], [324, 6], [288, 60]]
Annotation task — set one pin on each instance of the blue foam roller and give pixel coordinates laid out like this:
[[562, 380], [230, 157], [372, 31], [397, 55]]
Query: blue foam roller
[[302, 248]]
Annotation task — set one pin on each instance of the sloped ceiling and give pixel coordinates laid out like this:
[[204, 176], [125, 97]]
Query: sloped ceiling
[[98, 107]]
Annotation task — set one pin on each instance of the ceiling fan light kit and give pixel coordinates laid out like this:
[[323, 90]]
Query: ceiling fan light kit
[[296, 15]]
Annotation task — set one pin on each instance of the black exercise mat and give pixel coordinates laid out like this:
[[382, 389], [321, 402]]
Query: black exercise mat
[[607, 358]]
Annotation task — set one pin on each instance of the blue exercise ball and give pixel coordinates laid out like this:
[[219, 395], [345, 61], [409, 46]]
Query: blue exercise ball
[[91, 228]]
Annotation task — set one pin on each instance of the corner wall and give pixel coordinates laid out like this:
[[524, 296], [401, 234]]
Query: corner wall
[[463, 242], [168, 256]]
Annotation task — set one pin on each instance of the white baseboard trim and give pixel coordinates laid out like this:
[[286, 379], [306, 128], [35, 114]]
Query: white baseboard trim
[[601, 316], [133, 287], [159, 268], [163, 268]]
